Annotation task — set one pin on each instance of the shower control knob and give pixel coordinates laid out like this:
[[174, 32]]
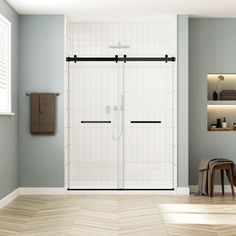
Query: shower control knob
[[108, 109]]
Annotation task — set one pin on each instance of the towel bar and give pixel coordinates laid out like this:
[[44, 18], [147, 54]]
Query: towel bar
[[28, 93]]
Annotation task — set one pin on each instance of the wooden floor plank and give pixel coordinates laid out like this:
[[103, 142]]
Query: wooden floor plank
[[123, 215]]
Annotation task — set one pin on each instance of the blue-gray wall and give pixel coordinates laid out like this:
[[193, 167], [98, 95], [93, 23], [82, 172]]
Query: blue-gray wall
[[183, 81], [9, 124], [41, 69], [212, 44]]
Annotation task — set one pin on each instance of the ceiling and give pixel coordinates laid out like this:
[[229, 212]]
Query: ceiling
[[127, 8]]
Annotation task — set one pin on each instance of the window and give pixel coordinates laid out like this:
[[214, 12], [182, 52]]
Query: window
[[5, 66]]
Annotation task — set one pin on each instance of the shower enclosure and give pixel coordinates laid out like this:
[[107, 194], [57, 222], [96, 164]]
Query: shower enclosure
[[121, 110]]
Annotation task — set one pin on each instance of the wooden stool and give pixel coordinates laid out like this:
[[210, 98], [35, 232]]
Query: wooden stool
[[228, 169]]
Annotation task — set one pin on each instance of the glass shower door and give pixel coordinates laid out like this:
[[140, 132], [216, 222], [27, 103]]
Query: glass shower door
[[93, 162], [149, 125]]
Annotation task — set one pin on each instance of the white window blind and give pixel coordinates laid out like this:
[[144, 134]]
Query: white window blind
[[5, 65]]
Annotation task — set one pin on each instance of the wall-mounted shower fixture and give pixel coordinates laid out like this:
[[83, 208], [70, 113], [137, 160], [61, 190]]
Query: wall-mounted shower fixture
[[119, 46], [108, 109], [119, 108]]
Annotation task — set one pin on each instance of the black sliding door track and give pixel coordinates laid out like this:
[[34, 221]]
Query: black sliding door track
[[75, 59]]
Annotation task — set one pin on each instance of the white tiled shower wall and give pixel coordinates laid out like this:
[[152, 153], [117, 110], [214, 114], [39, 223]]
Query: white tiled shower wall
[[93, 86]]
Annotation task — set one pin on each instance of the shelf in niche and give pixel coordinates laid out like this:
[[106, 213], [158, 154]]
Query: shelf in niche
[[220, 129], [221, 102]]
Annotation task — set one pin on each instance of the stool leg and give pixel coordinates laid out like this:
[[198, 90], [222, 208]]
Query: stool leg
[[222, 181], [212, 183], [231, 180]]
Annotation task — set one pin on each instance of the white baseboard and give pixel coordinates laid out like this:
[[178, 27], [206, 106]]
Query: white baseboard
[[182, 191], [41, 191], [217, 188], [10, 197]]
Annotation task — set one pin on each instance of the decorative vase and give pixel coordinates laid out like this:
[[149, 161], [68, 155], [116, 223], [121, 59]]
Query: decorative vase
[[215, 95]]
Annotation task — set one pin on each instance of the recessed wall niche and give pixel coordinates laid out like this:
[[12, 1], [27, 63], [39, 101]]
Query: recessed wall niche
[[221, 94]]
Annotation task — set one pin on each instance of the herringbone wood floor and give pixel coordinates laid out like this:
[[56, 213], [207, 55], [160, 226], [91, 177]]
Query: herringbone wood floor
[[125, 215]]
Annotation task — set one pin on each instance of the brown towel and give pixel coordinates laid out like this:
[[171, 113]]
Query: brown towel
[[34, 112], [42, 113], [203, 177]]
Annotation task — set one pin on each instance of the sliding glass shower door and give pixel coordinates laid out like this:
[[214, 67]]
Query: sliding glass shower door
[[92, 154], [149, 125], [121, 125]]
